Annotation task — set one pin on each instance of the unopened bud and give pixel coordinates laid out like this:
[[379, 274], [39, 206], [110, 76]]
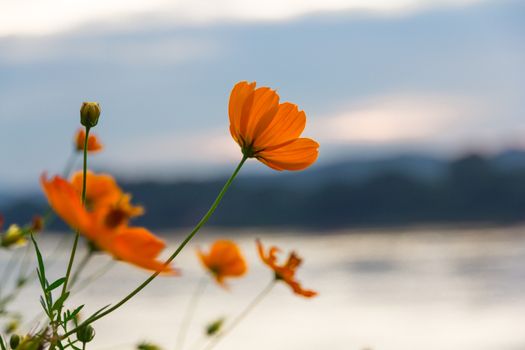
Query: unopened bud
[[89, 113], [214, 327], [85, 334], [13, 236], [148, 346], [14, 341], [37, 224], [12, 326]]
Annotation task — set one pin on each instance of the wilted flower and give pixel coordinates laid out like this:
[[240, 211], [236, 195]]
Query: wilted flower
[[286, 271], [135, 245], [223, 260], [269, 131], [93, 143], [89, 114]]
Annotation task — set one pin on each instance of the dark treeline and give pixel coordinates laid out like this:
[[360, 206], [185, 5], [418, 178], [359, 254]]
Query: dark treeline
[[472, 189]]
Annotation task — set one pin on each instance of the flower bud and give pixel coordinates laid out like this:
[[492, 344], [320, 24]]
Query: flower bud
[[37, 224], [147, 346], [85, 334], [14, 341], [214, 327], [13, 236], [89, 113], [12, 326]]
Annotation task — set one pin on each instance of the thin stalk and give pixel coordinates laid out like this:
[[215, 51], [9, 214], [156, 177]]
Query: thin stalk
[[9, 268], [20, 281], [214, 341], [196, 229], [190, 312], [77, 233]]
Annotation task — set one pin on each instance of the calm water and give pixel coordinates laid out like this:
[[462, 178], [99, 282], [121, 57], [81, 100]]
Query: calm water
[[402, 290]]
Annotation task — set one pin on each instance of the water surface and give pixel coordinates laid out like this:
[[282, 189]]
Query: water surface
[[429, 289]]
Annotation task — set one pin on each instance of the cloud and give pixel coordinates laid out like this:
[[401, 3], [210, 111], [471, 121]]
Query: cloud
[[435, 78], [396, 118], [52, 16]]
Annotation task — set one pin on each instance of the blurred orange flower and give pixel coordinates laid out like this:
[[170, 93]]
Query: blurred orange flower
[[286, 271], [106, 199], [135, 245], [93, 145], [268, 130], [224, 260]]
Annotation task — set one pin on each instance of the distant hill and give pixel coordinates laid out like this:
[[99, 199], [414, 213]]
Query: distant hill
[[400, 190]]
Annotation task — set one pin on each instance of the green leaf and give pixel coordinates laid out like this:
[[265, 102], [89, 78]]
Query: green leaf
[[96, 314], [2, 344], [40, 260], [60, 301], [71, 314], [55, 284]]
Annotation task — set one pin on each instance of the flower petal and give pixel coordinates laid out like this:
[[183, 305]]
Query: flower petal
[[66, 202], [265, 105], [241, 100], [295, 155], [287, 125], [101, 189], [140, 247]]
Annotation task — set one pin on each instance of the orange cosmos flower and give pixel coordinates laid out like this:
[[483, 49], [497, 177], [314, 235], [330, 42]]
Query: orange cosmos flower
[[268, 130], [285, 272], [109, 204], [93, 145], [223, 260], [135, 245], [101, 189]]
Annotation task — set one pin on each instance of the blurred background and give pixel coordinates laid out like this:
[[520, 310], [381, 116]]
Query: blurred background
[[411, 220]]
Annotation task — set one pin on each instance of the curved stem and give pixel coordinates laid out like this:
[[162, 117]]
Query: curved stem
[[190, 312], [214, 341], [9, 268], [196, 229]]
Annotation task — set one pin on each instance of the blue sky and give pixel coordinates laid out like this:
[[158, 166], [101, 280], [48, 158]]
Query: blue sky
[[390, 76]]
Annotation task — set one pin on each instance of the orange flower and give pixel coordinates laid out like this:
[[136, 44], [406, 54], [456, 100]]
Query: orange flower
[[101, 189], [285, 272], [268, 130], [93, 145], [224, 260], [135, 245]]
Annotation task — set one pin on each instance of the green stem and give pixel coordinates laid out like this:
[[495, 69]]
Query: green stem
[[190, 312], [77, 233], [9, 268], [214, 341], [196, 229]]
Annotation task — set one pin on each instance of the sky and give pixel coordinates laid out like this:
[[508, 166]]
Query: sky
[[374, 78]]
